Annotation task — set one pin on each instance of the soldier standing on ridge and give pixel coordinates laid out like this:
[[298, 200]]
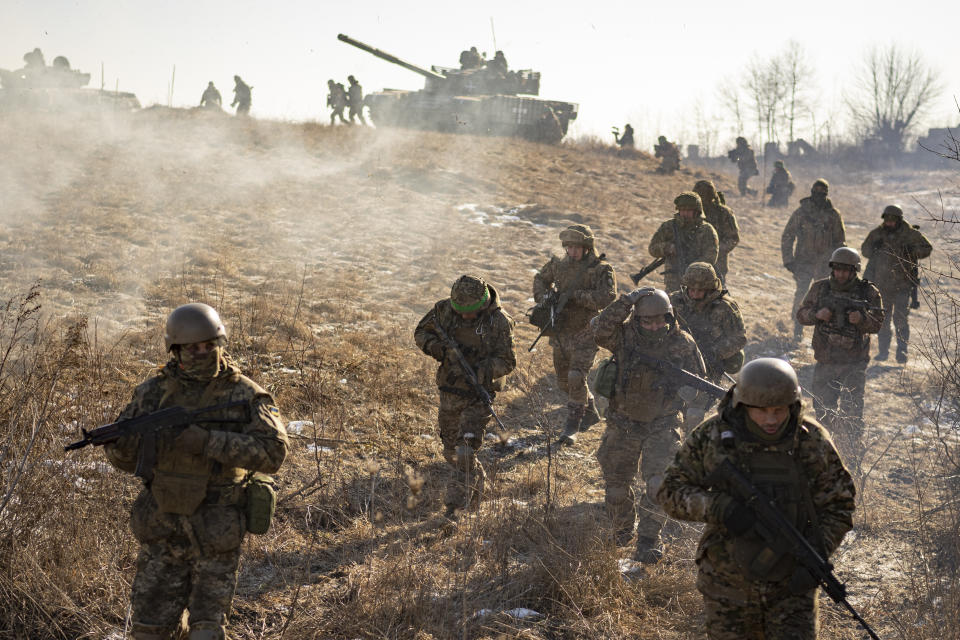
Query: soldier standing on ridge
[[471, 317], [750, 590], [684, 239], [191, 516], [669, 155], [644, 416], [625, 140], [894, 249], [355, 100], [211, 97], [336, 100], [588, 283], [781, 186], [812, 233], [721, 217], [746, 164], [241, 96]]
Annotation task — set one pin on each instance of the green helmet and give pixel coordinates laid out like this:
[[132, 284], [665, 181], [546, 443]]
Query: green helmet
[[469, 294], [820, 182], [653, 302], [688, 200], [577, 234], [892, 211], [191, 323], [766, 382], [846, 256], [706, 190], [700, 275], [741, 141], [778, 164]]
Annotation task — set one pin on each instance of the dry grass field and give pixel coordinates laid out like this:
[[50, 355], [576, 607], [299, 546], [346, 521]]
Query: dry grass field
[[322, 247]]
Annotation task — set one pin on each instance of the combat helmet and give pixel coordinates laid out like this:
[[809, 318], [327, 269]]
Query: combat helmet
[[700, 275], [820, 182], [706, 190], [578, 234], [845, 256], [689, 200], [741, 141], [191, 323], [892, 211], [469, 294], [766, 382], [778, 164], [652, 302]]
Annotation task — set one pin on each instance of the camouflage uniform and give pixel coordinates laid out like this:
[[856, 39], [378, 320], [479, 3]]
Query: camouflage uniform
[[812, 233], [487, 344], [738, 602], [211, 98], [721, 218], [355, 100], [669, 155], [698, 242], [893, 256], [189, 519], [746, 165], [643, 418], [336, 100], [241, 96], [781, 186]]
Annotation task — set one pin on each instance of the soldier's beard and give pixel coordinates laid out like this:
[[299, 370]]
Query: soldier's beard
[[200, 367]]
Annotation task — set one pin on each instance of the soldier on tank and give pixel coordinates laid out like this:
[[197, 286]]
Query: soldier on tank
[[498, 64], [844, 310], [894, 249], [190, 516], [470, 59], [746, 161], [750, 590], [473, 318], [684, 239], [669, 155], [721, 217], [34, 60], [781, 186], [812, 233], [645, 413], [211, 97], [241, 96], [355, 100], [588, 283], [336, 100]]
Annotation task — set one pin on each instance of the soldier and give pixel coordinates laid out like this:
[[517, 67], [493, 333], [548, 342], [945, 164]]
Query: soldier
[[781, 186], [241, 96], [894, 249], [588, 283], [355, 100], [845, 310], [669, 155], [470, 59], [817, 229], [211, 97], [336, 100], [644, 416], [34, 60], [721, 217], [683, 240], [625, 140], [750, 590], [549, 130], [190, 516], [746, 165], [473, 318], [499, 64]]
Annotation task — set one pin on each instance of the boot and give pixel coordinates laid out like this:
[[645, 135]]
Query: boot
[[901, 353], [798, 333], [883, 347], [575, 413], [590, 416], [649, 550]]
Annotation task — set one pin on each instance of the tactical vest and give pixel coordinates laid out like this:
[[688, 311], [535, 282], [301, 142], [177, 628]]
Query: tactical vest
[[640, 392], [473, 336], [838, 334]]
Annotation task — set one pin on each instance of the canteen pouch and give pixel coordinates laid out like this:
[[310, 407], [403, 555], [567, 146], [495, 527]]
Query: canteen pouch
[[261, 503], [606, 381]]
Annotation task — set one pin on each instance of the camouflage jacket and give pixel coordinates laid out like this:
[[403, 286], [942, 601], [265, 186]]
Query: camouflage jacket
[[643, 394], [667, 151], [721, 218], [698, 242], [893, 256], [716, 325], [595, 288], [746, 160], [687, 494], [780, 182], [811, 234], [486, 342], [355, 95], [837, 340]]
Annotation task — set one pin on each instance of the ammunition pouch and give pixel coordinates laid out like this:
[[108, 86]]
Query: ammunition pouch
[[261, 503], [605, 384]]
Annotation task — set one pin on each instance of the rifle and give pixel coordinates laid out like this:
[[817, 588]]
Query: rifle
[[148, 425], [781, 535], [468, 371], [639, 275], [914, 273], [555, 303], [680, 374], [841, 305]]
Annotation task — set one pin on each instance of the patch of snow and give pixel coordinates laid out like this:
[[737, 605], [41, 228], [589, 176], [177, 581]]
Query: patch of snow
[[296, 426], [522, 613], [312, 448]]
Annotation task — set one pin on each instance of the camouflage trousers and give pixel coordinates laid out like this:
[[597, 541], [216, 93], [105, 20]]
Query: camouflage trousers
[[573, 356], [837, 391], [762, 617], [742, 184], [459, 417], [627, 446], [896, 309], [721, 265]]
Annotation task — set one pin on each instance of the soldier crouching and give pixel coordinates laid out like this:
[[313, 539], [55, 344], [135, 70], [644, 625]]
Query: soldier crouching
[[190, 517], [483, 332]]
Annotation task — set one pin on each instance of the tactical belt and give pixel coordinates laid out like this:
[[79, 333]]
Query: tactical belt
[[226, 495], [464, 393]]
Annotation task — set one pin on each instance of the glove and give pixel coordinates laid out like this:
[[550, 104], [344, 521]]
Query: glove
[[634, 296], [738, 518], [437, 351], [801, 581], [192, 440]]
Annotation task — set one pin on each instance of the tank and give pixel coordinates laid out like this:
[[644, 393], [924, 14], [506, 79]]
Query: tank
[[486, 100], [56, 88]]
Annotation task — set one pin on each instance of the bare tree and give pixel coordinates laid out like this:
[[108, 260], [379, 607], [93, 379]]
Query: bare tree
[[729, 95], [797, 78], [765, 84], [893, 89]]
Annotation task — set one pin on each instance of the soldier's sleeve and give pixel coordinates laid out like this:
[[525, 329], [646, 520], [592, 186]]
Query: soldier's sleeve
[[788, 237], [503, 360], [839, 232], [661, 239], [730, 237], [424, 335], [684, 493], [807, 311], [123, 453], [709, 242], [868, 248], [873, 318], [543, 280], [732, 334], [603, 291], [920, 247], [693, 359], [261, 446], [833, 493], [608, 326]]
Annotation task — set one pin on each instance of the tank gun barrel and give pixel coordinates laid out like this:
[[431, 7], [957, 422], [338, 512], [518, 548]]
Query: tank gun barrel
[[390, 58]]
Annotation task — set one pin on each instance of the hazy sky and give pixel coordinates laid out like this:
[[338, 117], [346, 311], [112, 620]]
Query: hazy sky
[[647, 63]]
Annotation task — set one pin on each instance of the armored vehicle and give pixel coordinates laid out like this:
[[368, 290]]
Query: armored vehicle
[[483, 100], [56, 88]]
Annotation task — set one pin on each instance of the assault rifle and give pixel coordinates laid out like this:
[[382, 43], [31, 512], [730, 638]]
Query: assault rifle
[[148, 425], [468, 371], [781, 535], [681, 375], [841, 305], [640, 275], [551, 307]]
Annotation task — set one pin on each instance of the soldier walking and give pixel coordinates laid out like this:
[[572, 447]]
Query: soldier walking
[[812, 233], [844, 310], [483, 332], [749, 589], [684, 239], [355, 100], [721, 217], [588, 283], [644, 417], [746, 161], [211, 98], [336, 100], [894, 249], [669, 155], [241, 96], [190, 516], [781, 186]]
